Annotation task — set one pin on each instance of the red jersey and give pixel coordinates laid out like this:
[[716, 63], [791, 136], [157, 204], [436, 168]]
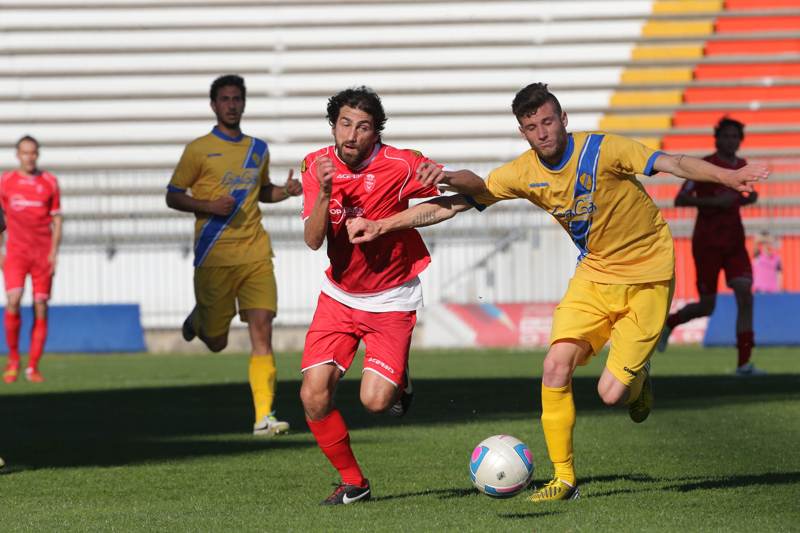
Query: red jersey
[[381, 187], [29, 203], [717, 226]]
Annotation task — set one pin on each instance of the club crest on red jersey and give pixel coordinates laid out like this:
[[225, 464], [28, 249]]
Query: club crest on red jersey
[[369, 182]]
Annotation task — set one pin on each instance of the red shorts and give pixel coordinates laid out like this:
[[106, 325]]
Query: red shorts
[[17, 266], [710, 260], [337, 329]]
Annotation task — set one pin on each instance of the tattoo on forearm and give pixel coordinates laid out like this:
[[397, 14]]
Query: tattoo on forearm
[[424, 218]]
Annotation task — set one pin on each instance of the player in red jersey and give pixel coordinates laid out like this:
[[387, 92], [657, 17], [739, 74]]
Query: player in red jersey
[[370, 292], [718, 243], [31, 200]]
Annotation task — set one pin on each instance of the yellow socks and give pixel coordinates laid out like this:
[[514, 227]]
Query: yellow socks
[[558, 421], [262, 374]]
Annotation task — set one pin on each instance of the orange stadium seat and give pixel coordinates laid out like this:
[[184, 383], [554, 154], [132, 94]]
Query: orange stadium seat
[[699, 95], [768, 46], [747, 70], [734, 5], [753, 140], [760, 24], [761, 116]]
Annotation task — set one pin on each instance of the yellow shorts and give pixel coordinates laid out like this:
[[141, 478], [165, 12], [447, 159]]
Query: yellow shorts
[[217, 290], [632, 316]]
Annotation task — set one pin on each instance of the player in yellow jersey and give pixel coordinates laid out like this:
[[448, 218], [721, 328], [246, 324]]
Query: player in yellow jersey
[[622, 287], [227, 174]]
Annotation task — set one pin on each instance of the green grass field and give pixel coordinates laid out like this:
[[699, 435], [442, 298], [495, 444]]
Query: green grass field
[[130, 443]]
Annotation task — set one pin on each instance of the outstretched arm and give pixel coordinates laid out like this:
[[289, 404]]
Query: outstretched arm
[[462, 181], [692, 168], [361, 230]]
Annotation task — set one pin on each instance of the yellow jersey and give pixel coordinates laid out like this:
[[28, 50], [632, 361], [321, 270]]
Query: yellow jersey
[[216, 165], [595, 196]]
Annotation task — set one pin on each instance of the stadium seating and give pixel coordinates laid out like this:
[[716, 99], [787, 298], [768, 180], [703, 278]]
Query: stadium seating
[[114, 89]]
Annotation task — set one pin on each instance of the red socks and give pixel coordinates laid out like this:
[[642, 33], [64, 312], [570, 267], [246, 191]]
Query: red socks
[[744, 343], [334, 441], [12, 323], [38, 336]]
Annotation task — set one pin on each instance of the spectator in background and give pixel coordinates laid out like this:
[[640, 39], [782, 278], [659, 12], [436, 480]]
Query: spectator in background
[[227, 173], [718, 243], [31, 201], [767, 268]]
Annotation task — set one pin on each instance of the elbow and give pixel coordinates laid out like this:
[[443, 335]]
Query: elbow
[[312, 242]]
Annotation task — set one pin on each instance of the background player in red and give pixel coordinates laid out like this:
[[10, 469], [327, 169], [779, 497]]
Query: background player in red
[[370, 292], [31, 200], [718, 243]]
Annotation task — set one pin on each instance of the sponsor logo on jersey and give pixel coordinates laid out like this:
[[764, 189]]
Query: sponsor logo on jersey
[[338, 212], [378, 362], [214, 154], [18, 202], [583, 206], [348, 177], [246, 180], [537, 184], [629, 371]]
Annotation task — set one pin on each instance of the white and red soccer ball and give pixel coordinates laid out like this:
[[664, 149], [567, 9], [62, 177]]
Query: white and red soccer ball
[[501, 466]]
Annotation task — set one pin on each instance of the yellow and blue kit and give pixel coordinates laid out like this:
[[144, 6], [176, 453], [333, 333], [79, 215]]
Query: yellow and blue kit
[[216, 165], [626, 258]]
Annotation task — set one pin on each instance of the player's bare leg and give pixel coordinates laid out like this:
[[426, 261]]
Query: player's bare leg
[[262, 373], [12, 325], [378, 394], [638, 396], [558, 417], [330, 431]]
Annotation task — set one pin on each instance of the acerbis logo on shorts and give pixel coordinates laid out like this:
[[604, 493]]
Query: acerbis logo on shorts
[[381, 364], [629, 371]]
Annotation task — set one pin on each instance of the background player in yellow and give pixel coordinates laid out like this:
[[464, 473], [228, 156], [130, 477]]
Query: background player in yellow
[[623, 283], [227, 174]]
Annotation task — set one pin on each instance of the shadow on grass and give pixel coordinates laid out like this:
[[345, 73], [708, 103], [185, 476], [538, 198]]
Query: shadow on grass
[[644, 483], [442, 494], [124, 426]]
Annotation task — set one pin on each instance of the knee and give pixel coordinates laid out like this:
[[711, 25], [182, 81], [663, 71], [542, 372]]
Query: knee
[[217, 345], [554, 368], [707, 307], [316, 403], [375, 402], [610, 396]]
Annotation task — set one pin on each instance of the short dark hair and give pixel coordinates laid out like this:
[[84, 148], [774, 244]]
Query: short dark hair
[[227, 81], [531, 98], [725, 122], [26, 138], [362, 98]]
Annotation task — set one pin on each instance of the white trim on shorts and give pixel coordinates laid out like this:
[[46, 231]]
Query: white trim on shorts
[[396, 386], [329, 361]]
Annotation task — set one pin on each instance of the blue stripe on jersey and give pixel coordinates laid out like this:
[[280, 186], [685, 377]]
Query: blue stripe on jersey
[[172, 188], [648, 168], [256, 153], [213, 228], [585, 185]]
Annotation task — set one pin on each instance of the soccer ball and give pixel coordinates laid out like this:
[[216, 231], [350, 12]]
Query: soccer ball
[[501, 466]]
